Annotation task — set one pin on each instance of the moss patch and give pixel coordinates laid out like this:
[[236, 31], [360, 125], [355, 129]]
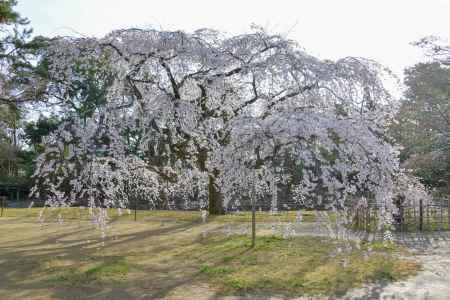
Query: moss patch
[[109, 270]]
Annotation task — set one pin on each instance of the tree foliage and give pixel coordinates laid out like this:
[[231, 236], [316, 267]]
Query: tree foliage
[[423, 124], [8, 15], [21, 82]]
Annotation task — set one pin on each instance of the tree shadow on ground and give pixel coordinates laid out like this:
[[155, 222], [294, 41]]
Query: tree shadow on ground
[[20, 263]]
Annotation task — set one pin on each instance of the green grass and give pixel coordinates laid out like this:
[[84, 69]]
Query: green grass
[[211, 270], [75, 213], [97, 272], [283, 216], [157, 257], [119, 267], [297, 266]]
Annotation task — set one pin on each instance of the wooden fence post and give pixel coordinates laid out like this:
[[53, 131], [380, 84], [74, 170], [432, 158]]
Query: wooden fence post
[[2, 200], [367, 218], [253, 203], [402, 217], [420, 215], [135, 208], [415, 217], [448, 212]]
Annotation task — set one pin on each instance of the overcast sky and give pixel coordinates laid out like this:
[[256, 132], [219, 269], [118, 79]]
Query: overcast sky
[[380, 30]]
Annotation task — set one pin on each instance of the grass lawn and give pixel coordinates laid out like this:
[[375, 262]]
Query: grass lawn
[[170, 255], [74, 213]]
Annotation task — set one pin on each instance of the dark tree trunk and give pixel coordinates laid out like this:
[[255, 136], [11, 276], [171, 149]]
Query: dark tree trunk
[[214, 197]]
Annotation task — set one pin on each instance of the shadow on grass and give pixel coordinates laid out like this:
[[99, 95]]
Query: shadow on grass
[[159, 261], [24, 275]]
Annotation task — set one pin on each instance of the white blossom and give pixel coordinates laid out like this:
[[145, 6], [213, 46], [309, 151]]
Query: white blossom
[[191, 114]]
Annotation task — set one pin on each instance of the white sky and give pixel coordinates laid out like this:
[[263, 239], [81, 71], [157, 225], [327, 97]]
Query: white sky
[[380, 30]]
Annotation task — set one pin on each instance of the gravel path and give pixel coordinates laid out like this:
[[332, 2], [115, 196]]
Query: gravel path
[[432, 283]]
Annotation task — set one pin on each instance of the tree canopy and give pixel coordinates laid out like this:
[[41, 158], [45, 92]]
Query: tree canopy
[[210, 114]]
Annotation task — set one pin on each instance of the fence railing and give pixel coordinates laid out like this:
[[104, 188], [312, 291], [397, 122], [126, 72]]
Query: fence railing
[[431, 216]]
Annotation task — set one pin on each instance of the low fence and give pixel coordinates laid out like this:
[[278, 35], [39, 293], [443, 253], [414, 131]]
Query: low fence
[[431, 216], [424, 216]]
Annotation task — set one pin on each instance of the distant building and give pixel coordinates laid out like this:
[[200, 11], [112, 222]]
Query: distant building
[[16, 194]]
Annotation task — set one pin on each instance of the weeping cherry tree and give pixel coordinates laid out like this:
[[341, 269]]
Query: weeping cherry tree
[[208, 114]]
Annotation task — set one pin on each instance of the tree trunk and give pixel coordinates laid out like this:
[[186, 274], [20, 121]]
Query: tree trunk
[[214, 197]]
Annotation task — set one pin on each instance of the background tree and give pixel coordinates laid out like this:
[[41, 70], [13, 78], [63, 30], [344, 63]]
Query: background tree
[[8, 15], [423, 124], [10, 113], [21, 84]]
